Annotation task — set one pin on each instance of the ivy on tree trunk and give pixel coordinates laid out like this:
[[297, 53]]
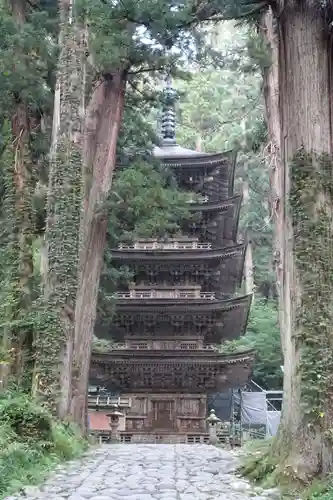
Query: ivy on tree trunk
[[54, 345]]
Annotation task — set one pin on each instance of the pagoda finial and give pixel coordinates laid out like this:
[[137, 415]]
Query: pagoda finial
[[169, 113]]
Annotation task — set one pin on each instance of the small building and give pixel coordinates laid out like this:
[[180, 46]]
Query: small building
[[170, 323]]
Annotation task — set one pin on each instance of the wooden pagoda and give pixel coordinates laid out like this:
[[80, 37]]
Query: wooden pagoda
[[172, 319]]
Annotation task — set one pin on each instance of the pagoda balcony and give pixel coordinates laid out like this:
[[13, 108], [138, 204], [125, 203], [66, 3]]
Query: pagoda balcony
[[164, 345], [188, 293], [171, 244], [229, 205], [198, 200], [198, 371], [203, 252]]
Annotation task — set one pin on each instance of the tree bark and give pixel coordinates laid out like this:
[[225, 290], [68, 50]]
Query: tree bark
[[54, 346], [273, 152], [103, 117], [23, 187], [21, 336], [248, 269], [248, 264], [299, 117]]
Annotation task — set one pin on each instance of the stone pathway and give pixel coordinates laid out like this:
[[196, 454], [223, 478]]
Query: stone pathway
[[147, 472]]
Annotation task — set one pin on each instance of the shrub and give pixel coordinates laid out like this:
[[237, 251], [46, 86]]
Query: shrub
[[260, 463], [31, 442]]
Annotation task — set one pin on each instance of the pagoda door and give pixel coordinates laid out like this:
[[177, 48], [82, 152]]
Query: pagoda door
[[163, 414]]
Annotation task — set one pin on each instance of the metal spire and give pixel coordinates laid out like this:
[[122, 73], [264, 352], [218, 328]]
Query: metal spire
[[169, 113]]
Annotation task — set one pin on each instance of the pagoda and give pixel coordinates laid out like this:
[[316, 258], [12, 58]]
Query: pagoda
[[181, 306]]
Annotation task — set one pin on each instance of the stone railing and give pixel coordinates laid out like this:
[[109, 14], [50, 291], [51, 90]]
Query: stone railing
[[165, 294], [173, 245]]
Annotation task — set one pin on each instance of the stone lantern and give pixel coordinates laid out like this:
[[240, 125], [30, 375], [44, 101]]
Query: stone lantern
[[212, 421], [114, 416]]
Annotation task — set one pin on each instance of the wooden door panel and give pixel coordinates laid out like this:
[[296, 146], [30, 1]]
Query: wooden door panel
[[163, 414]]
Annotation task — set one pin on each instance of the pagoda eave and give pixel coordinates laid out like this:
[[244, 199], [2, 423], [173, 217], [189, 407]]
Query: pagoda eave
[[176, 255], [184, 372], [205, 355], [226, 322], [173, 306], [218, 206], [172, 158]]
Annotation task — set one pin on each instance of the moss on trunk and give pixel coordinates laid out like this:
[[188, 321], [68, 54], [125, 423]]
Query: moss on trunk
[[54, 345], [302, 182]]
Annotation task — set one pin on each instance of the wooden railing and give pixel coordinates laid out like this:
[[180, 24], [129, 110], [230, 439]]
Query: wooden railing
[[177, 346], [198, 199], [173, 245], [102, 400], [165, 294]]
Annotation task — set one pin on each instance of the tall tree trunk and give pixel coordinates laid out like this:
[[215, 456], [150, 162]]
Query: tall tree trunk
[[303, 181], [54, 345], [198, 143], [103, 117], [22, 335], [248, 269], [273, 153], [248, 264]]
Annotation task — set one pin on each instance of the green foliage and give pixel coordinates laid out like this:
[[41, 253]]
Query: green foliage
[[263, 335], [319, 490], [326, 494], [137, 136], [311, 198], [26, 53], [262, 466], [219, 107], [102, 345], [138, 35], [143, 204], [255, 220], [131, 216], [224, 109], [31, 442], [260, 462]]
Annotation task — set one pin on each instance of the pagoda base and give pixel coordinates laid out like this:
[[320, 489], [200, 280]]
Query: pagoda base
[[164, 438], [156, 418], [154, 438]]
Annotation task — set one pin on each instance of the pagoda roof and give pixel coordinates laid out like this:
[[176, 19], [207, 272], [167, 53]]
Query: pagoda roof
[[219, 319], [176, 156], [199, 370], [178, 306], [173, 150], [178, 255], [229, 208], [218, 206]]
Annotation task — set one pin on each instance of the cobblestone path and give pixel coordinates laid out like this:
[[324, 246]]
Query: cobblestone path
[[147, 472]]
